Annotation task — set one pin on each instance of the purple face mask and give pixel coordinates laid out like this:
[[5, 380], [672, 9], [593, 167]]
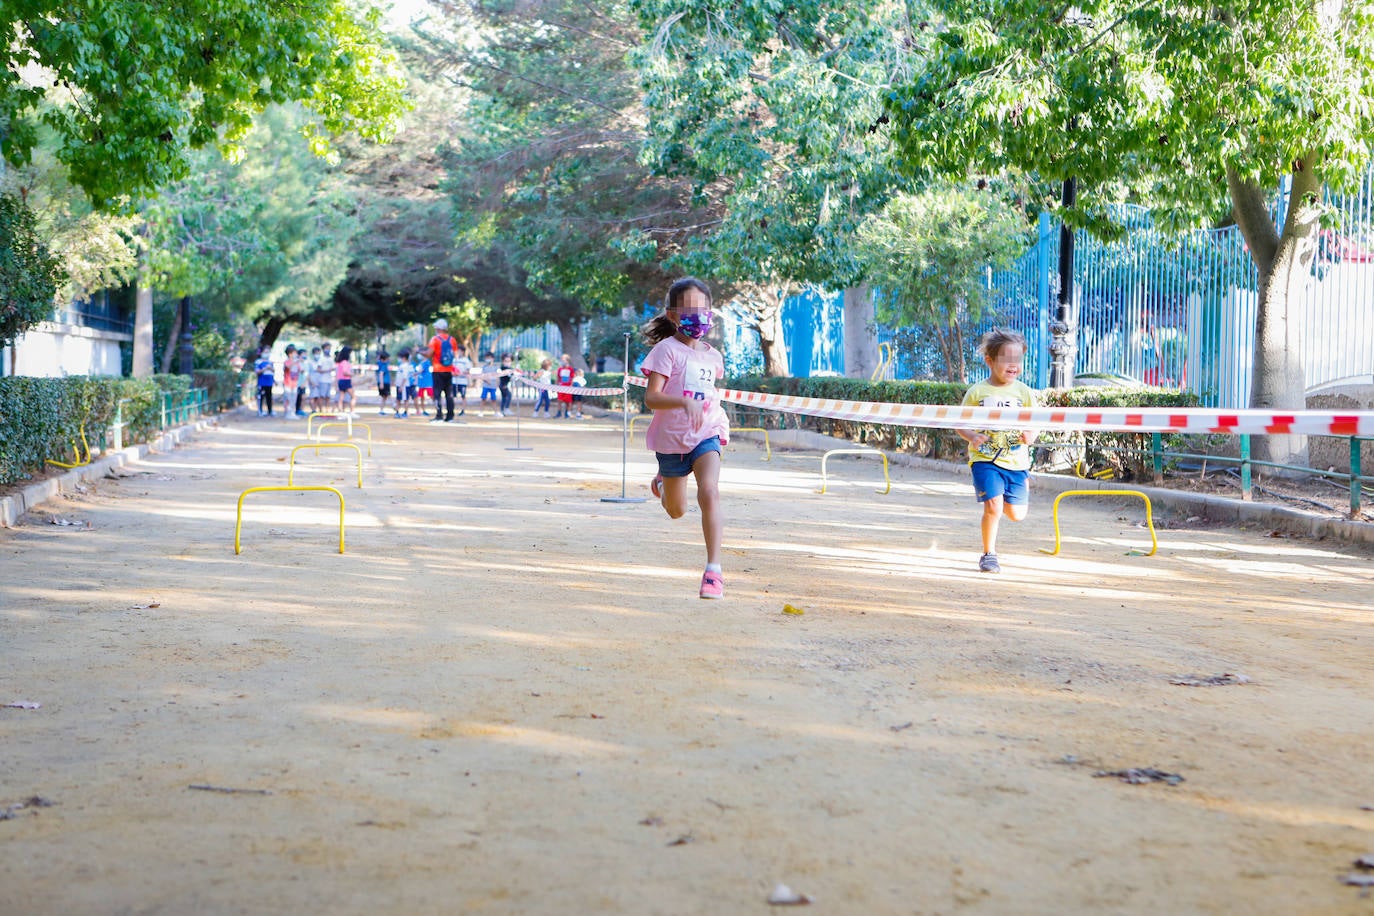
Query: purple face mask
[[695, 325]]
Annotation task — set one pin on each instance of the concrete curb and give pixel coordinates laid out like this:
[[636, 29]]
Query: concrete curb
[[1168, 503], [12, 507]]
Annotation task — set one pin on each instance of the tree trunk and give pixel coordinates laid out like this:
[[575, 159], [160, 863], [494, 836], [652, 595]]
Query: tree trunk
[[143, 321], [572, 344], [271, 331], [173, 341], [860, 345], [771, 341], [1284, 263]]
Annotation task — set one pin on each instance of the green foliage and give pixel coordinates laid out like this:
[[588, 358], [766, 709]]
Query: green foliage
[[94, 250], [130, 86], [771, 110], [28, 272], [933, 443], [224, 388], [1198, 110], [558, 220], [606, 338], [211, 348], [1128, 454], [42, 418], [264, 236], [1158, 101], [927, 254], [467, 322]]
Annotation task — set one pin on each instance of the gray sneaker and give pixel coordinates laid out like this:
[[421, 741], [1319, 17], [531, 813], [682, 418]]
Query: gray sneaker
[[988, 563]]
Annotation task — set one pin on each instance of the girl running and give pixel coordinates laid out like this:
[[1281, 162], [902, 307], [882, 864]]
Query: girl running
[[689, 425]]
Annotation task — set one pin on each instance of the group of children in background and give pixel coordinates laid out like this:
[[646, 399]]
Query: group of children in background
[[323, 378], [405, 384]]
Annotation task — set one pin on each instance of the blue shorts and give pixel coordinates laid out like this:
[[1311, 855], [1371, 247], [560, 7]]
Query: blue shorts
[[992, 480], [672, 464]]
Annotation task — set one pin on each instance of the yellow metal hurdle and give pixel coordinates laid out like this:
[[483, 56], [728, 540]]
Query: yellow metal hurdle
[[887, 479], [291, 468], [345, 416], [1149, 515], [319, 431], [76, 453], [767, 446], [238, 520]]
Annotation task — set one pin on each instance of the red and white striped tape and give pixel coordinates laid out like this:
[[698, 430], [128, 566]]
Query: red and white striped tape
[[1124, 419], [573, 389]]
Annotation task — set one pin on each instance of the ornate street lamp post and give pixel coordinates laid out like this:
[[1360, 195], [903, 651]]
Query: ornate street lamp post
[[1061, 347], [185, 349]]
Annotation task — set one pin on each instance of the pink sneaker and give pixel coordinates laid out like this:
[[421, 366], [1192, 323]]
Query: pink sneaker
[[656, 486], [712, 585]]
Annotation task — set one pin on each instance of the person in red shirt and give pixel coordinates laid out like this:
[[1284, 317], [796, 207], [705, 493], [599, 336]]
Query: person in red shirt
[[564, 375], [443, 352]]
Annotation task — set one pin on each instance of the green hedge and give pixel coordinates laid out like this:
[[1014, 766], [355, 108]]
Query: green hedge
[[225, 388], [1127, 453], [42, 418]]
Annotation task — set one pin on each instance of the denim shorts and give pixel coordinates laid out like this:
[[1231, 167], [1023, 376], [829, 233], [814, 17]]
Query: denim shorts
[[672, 464], [992, 480]]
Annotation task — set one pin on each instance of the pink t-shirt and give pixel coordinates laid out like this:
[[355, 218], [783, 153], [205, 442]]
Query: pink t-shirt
[[343, 370], [690, 371]]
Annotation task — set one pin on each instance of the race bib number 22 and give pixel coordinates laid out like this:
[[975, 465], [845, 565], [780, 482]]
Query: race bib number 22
[[699, 380]]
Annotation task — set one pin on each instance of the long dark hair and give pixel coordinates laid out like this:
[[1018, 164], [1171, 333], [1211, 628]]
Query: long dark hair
[[661, 327]]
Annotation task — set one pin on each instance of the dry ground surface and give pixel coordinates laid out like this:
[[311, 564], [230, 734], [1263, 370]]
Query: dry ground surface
[[507, 698]]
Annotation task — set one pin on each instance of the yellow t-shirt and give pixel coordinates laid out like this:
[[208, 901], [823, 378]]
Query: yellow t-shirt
[[1000, 448]]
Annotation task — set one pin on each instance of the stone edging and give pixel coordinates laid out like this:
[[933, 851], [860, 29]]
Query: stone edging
[[1177, 503], [12, 507]]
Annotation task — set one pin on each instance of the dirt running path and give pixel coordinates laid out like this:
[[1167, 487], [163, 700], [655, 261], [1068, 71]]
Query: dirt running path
[[507, 698]]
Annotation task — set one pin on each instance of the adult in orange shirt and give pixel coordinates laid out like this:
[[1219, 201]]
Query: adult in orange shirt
[[443, 351]]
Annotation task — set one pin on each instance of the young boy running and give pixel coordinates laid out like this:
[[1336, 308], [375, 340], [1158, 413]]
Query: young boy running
[[1000, 459]]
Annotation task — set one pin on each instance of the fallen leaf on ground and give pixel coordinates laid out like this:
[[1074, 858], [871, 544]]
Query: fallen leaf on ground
[[23, 704], [1140, 775], [652, 821], [783, 895], [1215, 680], [902, 727], [12, 810], [682, 840], [144, 607], [792, 609]]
